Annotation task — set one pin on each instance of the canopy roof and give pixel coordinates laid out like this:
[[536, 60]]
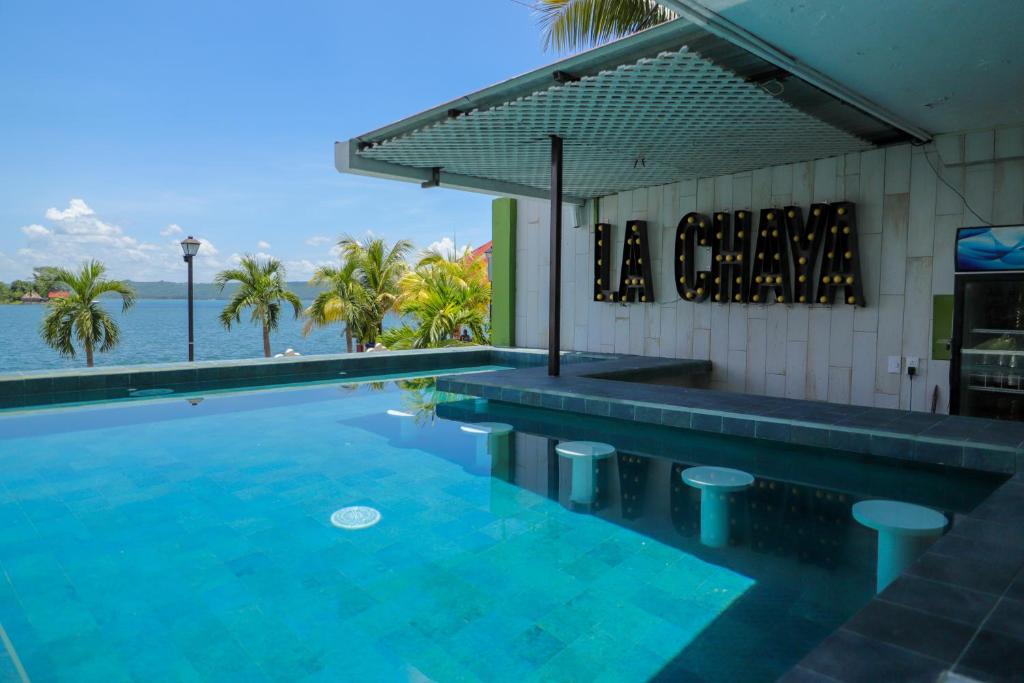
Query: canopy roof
[[671, 103]]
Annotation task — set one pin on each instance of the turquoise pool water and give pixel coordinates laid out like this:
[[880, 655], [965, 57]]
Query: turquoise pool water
[[165, 541]]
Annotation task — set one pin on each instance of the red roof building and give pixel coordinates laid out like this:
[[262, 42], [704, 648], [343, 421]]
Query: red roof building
[[484, 250]]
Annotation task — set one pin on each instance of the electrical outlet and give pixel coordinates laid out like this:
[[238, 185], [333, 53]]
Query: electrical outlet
[[895, 365], [913, 362]]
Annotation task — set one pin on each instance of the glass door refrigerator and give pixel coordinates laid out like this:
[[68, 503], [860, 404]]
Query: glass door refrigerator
[[987, 369]]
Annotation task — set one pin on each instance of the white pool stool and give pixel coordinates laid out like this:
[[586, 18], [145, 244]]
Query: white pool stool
[[493, 445], [584, 456], [715, 485], [904, 531]]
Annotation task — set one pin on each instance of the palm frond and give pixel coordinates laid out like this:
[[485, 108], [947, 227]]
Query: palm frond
[[261, 291], [578, 24], [80, 317]]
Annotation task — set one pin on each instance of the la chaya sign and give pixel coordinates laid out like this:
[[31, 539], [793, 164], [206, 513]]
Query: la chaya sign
[[792, 260]]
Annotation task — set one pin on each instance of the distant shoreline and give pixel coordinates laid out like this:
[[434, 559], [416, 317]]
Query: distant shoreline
[[202, 291]]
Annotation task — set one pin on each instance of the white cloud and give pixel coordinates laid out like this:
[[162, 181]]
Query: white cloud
[[77, 208], [302, 269], [35, 230], [80, 219], [443, 246], [77, 233], [206, 248]]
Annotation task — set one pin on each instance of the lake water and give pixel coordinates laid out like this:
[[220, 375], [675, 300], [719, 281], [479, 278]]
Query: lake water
[[156, 331]]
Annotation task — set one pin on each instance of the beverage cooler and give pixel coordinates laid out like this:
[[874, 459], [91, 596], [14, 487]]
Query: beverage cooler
[[987, 369]]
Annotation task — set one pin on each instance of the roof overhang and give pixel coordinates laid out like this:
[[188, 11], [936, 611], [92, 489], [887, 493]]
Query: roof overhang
[[683, 100]]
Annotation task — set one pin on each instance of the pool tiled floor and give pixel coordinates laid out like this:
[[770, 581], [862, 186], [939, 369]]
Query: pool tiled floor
[[185, 545]]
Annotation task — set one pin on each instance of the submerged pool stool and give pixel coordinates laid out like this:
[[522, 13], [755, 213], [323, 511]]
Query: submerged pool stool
[[407, 422], [493, 446], [584, 456], [715, 484], [904, 531]]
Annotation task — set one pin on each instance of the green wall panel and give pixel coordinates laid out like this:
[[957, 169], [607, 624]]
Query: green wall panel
[[942, 326], [503, 272]]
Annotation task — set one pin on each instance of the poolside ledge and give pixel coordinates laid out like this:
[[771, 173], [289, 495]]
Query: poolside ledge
[[622, 387]]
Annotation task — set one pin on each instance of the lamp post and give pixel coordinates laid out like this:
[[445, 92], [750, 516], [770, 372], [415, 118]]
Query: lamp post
[[190, 246]]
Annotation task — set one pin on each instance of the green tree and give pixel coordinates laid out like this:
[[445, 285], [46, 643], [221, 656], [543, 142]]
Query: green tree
[[46, 279], [5, 293], [578, 24], [443, 295], [378, 269], [262, 290], [344, 301], [19, 287], [80, 318]]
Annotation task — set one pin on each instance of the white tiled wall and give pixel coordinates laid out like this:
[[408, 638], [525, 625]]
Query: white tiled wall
[[906, 222]]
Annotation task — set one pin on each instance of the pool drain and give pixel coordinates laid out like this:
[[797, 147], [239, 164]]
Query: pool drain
[[355, 517]]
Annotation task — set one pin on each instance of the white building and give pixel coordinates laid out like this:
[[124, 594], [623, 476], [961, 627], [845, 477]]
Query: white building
[[758, 106]]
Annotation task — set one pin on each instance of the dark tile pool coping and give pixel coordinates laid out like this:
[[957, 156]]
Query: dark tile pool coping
[[956, 614], [604, 388], [76, 385], [959, 608]]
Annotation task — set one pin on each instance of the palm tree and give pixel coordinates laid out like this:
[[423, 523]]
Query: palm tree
[[443, 294], [378, 269], [342, 302], [79, 317], [577, 24], [263, 290]]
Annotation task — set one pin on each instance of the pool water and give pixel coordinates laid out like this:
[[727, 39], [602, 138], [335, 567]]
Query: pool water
[[177, 540]]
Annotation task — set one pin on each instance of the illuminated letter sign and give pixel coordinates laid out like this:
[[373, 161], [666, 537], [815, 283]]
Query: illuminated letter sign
[[841, 265], [728, 257], [602, 262], [635, 274], [830, 229], [771, 268], [804, 245], [691, 232]]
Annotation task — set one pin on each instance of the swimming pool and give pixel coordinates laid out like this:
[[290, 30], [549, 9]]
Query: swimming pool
[[177, 539]]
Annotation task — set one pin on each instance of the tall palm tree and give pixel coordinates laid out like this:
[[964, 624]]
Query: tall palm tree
[[577, 24], [262, 290], [342, 302], [379, 269], [442, 295], [79, 317]]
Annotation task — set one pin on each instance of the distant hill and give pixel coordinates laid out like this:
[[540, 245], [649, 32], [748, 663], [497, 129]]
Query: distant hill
[[207, 290]]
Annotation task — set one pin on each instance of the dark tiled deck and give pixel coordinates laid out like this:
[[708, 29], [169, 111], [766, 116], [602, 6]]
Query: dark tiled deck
[[959, 608], [603, 388]]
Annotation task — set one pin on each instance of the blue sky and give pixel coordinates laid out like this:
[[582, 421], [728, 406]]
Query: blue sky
[[125, 126]]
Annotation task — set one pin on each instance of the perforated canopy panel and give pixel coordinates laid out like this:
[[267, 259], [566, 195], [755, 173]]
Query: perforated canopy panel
[[655, 121]]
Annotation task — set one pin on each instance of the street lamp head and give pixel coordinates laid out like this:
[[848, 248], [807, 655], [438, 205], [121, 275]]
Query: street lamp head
[[190, 246]]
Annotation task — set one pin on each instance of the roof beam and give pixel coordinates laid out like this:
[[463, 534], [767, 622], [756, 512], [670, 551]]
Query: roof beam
[[346, 160], [713, 23]]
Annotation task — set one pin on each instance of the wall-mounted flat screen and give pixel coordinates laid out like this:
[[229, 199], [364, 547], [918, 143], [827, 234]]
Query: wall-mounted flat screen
[[990, 248]]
